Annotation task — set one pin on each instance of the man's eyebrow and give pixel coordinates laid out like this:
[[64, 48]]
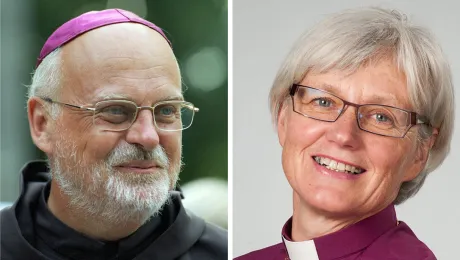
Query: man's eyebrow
[[110, 96], [171, 98]]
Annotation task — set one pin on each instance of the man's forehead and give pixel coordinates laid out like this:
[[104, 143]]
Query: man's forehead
[[122, 41], [120, 50], [119, 70]]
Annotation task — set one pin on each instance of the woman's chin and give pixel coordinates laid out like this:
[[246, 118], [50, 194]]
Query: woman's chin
[[331, 203]]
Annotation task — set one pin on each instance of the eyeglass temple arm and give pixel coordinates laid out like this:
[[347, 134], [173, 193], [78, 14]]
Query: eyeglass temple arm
[[423, 120], [49, 100], [195, 109], [420, 121], [293, 89], [417, 119]]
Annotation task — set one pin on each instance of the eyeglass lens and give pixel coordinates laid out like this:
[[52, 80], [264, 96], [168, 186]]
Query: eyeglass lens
[[379, 119], [119, 115]]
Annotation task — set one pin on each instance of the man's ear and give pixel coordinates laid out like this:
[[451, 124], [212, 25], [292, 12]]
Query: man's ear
[[281, 123], [40, 123]]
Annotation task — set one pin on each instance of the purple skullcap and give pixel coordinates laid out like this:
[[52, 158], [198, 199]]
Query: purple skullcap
[[89, 21]]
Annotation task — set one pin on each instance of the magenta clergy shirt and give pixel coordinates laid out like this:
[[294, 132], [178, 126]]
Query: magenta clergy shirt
[[379, 237]]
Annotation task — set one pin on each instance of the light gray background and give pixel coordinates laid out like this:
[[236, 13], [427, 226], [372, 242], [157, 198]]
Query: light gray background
[[263, 32]]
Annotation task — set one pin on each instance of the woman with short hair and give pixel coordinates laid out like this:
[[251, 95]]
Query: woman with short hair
[[364, 110]]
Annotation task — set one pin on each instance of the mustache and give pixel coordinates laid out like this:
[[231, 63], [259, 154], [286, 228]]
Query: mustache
[[125, 153]]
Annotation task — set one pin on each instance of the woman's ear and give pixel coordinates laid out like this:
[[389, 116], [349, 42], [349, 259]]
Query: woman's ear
[[281, 123], [421, 156], [433, 137], [40, 123], [426, 146]]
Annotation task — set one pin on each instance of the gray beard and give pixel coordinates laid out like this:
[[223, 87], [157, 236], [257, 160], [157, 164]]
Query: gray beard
[[102, 194]]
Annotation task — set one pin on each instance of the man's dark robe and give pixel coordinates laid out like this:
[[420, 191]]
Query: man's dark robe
[[30, 231]]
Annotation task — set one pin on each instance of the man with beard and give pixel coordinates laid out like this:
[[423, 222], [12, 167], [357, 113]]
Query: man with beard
[[106, 106]]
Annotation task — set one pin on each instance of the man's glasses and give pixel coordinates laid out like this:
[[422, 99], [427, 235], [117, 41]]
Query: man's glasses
[[373, 118], [119, 115]]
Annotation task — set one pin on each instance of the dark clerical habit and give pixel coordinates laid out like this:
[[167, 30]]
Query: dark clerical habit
[[30, 231]]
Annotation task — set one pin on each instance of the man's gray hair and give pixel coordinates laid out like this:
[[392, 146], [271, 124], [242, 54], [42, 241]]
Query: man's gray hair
[[46, 80], [348, 40]]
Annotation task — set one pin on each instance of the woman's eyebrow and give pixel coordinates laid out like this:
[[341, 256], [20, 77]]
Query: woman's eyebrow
[[387, 98]]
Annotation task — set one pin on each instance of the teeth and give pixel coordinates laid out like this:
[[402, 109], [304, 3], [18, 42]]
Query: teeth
[[341, 167], [336, 166], [333, 165]]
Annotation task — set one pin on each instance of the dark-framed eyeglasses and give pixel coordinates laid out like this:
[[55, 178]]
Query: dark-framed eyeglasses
[[373, 118], [119, 115]]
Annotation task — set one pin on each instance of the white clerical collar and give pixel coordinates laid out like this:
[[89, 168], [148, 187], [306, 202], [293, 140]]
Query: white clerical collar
[[305, 250]]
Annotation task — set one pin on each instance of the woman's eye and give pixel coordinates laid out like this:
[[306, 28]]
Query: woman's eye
[[323, 102], [383, 118]]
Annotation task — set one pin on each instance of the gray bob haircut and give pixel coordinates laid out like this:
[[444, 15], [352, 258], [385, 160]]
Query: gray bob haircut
[[351, 39]]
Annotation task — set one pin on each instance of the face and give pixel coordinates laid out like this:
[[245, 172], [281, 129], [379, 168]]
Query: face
[[386, 161], [117, 175]]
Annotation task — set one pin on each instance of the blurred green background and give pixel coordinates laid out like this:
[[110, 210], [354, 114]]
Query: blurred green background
[[198, 32]]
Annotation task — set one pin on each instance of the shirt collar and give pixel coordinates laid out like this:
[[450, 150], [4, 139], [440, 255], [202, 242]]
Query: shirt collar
[[304, 250], [357, 237]]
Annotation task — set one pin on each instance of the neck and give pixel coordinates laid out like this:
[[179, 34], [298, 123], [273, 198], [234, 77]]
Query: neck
[[309, 223], [91, 225]]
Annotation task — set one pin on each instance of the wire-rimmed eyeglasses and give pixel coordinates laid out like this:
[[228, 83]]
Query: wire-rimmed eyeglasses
[[119, 115], [373, 118]]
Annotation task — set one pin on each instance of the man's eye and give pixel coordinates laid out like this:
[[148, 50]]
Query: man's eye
[[115, 110], [167, 110]]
